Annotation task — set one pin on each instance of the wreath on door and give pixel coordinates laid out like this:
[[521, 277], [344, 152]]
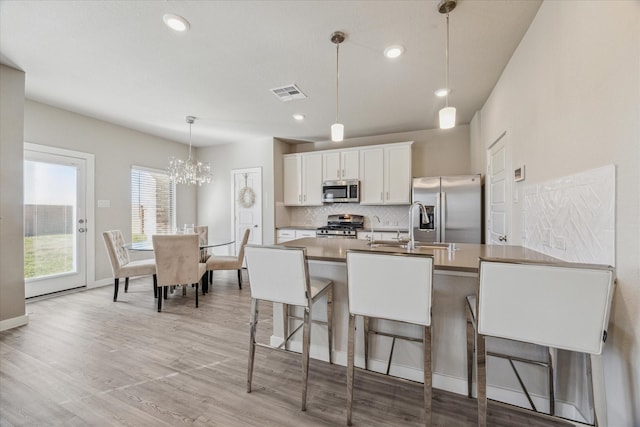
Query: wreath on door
[[246, 195]]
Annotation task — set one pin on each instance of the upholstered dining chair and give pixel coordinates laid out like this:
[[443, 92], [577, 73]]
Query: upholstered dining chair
[[229, 262], [177, 262], [203, 236], [122, 266]]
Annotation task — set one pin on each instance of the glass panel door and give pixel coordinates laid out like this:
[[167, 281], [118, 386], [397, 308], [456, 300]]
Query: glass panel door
[[55, 223]]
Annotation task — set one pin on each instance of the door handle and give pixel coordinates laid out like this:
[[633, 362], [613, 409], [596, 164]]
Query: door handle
[[81, 230], [502, 238]]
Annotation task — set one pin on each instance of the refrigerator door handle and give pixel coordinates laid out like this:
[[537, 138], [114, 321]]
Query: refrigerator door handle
[[444, 218], [437, 225]]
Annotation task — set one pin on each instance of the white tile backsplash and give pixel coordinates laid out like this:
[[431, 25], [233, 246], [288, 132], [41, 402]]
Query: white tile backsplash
[[391, 217], [573, 218]]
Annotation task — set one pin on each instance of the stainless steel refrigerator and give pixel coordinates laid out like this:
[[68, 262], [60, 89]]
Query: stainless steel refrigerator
[[454, 209]]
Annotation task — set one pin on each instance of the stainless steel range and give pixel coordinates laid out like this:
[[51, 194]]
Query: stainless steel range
[[343, 226]]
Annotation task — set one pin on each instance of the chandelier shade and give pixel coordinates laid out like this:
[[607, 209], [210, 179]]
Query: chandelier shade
[[190, 171], [447, 117]]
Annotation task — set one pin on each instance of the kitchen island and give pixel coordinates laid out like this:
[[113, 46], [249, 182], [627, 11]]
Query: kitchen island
[[455, 277]]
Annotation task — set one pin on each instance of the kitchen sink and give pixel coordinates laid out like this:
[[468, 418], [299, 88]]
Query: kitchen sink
[[402, 244]]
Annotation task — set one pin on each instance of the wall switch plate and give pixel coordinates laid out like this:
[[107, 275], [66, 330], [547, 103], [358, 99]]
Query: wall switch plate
[[104, 203]]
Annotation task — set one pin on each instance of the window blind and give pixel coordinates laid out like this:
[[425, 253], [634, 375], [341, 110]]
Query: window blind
[[152, 203]]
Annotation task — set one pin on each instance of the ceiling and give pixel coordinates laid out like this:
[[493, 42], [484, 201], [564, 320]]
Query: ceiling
[[118, 62]]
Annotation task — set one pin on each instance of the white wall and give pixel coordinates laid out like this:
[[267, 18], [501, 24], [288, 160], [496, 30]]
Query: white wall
[[115, 148], [214, 200], [570, 100], [12, 308]]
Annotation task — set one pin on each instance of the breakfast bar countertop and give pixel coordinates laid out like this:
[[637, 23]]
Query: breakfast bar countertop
[[463, 259]]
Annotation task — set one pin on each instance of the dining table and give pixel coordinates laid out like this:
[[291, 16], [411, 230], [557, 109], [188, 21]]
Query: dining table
[[147, 245]]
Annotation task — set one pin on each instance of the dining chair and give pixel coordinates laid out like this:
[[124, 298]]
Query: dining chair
[[122, 266], [560, 305], [203, 237], [395, 287], [229, 262], [177, 262], [281, 275]]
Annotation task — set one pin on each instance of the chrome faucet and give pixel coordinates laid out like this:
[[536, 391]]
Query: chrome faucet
[[371, 220], [412, 241]]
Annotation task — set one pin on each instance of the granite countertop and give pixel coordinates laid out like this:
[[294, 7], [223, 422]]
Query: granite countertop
[[464, 258], [298, 227]]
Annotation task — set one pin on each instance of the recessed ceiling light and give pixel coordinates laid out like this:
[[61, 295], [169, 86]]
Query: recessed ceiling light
[[298, 117], [441, 93], [175, 22], [393, 51]]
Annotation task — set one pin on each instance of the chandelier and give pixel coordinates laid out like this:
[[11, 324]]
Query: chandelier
[[190, 171]]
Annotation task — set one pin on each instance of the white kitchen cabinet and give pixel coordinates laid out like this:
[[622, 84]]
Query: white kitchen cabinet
[[287, 234], [385, 174], [302, 179], [339, 165]]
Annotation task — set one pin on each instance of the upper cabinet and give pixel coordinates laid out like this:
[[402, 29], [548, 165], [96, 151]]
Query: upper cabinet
[[339, 165], [385, 174], [303, 179]]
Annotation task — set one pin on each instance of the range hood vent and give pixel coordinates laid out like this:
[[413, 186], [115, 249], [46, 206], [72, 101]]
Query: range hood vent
[[288, 93]]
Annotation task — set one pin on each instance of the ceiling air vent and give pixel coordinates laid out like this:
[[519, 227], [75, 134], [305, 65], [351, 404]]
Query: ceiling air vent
[[288, 93]]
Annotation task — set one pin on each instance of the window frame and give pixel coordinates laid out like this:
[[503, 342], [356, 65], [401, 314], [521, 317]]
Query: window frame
[[172, 199]]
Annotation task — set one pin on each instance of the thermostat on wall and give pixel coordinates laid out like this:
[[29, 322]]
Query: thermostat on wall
[[518, 174]]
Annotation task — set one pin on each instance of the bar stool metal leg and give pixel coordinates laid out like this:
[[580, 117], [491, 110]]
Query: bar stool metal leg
[[470, 350], [306, 338], [365, 323], [350, 365], [550, 370], [426, 345], [594, 365], [481, 356], [253, 323], [330, 323]]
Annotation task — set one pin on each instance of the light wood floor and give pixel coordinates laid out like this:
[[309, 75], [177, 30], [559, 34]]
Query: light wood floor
[[84, 360]]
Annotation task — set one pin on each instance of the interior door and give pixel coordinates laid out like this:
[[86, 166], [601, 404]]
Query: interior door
[[55, 228], [499, 187], [247, 191]]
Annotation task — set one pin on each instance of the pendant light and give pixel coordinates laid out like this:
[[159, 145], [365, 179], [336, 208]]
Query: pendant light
[[447, 114], [337, 129], [190, 171]]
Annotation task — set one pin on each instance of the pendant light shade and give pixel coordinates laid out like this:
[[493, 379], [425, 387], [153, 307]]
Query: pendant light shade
[[337, 132], [447, 115], [337, 129]]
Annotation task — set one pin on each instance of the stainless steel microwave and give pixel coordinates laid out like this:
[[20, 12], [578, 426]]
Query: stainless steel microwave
[[347, 191]]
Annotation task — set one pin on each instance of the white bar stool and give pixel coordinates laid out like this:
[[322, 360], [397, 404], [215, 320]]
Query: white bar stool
[[281, 275], [561, 306], [513, 352], [395, 287]]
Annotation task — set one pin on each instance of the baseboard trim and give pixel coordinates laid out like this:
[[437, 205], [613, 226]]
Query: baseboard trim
[[14, 322], [443, 382], [99, 283]]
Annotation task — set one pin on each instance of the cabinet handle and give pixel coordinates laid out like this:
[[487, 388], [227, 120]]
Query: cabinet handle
[[387, 195], [342, 173], [299, 198], [381, 196], [338, 173], [305, 197]]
